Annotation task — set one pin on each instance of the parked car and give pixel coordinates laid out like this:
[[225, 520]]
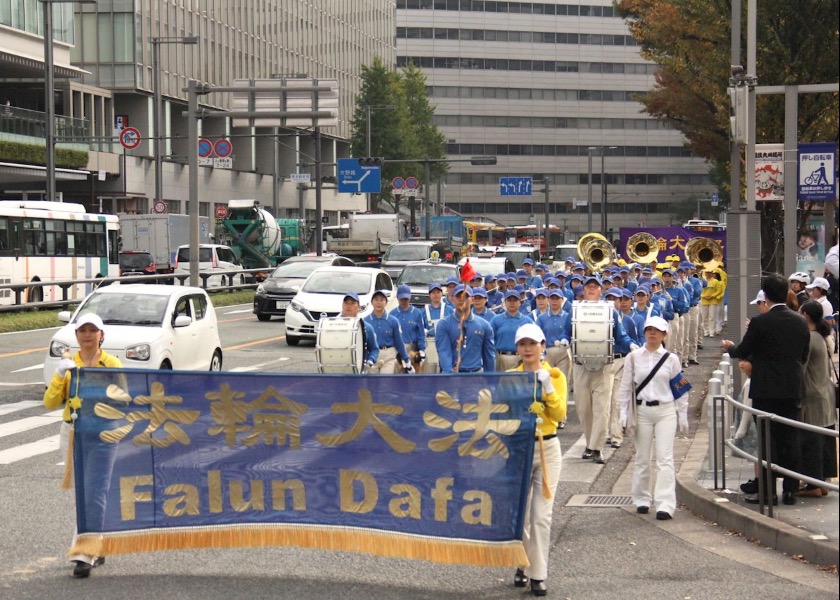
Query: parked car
[[137, 262], [518, 253], [323, 293], [561, 252], [489, 266], [147, 327], [273, 295], [418, 275], [212, 258], [400, 254]]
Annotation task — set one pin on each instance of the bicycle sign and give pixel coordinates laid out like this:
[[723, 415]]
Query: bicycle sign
[[817, 166], [130, 138]]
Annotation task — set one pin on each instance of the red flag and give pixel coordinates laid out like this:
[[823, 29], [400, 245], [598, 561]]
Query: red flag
[[467, 272]]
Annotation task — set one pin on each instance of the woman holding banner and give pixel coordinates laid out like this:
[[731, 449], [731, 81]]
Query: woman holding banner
[[549, 405], [89, 335]]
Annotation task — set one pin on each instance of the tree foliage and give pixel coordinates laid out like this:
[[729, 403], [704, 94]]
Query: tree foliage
[[796, 44], [401, 125]]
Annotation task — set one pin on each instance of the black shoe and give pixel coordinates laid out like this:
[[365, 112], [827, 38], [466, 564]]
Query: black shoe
[[562, 425], [661, 515], [82, 569], [643, 510], [755, 500], [616, 445], [750, 487], [693, 362], [538, 587], [598, 458], [587, 454], [699, 346], [99, 561], [519, 579], [788, 498]]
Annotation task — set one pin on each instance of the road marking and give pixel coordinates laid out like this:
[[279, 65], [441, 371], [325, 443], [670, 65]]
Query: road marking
[[236, 312], [41, 383], [22, 352], [257, 367], [235, 320], [32, 368], [28, 423], [49, 444], [255, 343], [16, 406]]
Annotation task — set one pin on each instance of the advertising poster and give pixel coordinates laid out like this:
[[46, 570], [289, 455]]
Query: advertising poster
[[769, 172], [810, 248]]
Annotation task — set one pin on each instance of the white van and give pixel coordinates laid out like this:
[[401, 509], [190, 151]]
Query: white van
[[214, 258]]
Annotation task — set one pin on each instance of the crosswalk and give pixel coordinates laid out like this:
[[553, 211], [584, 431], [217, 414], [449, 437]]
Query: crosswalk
[[17, 418]]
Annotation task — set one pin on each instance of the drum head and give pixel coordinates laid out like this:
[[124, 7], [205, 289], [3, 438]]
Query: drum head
[[339, 345]]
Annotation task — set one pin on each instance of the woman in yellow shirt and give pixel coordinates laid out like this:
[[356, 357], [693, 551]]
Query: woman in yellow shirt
[[711, 298], [550, 407], [99, 458]]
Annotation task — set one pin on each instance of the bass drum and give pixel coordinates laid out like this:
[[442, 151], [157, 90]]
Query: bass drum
[[592, 334], [340, 345]]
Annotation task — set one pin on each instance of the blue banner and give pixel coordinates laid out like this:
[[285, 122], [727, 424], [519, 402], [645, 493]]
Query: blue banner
[[428, 466]]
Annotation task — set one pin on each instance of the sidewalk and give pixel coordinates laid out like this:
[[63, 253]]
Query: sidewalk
[[808, 529]]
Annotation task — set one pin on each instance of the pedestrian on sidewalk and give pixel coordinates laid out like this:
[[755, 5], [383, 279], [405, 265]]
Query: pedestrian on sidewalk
[[646, 392], [777, 343]]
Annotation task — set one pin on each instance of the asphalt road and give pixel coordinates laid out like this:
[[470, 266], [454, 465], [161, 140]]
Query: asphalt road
[[598, 552]]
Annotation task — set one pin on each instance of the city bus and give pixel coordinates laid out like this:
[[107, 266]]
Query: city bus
[[484, 234], [531, 234], [44, 241]]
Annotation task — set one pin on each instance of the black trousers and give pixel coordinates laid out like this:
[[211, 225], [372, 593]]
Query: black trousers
[[785, 449]]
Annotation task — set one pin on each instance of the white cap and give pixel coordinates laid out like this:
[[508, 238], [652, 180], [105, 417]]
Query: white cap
[[819, 282], [530, 331], [92, 319], [759, 297], [657, 323]]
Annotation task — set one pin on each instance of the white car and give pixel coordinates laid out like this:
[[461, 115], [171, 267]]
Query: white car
[[212, 258], [147, 327], [322, 294]]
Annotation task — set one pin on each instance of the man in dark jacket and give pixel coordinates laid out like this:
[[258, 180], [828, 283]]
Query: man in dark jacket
[[777, 343]]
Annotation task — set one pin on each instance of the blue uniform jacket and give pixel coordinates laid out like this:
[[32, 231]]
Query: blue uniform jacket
[[433, 315], [639, 319], [388, 333], [680, 299], [477, 348], [371, 353], [663, 304], [412, 325], [629, 327], [556, 327], [504, 330]]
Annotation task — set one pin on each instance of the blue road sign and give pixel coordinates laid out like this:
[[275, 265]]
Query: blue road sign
[[353, 178], [715, 199], [515, 186]]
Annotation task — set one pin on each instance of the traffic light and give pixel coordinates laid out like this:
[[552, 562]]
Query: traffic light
[[371, 161]]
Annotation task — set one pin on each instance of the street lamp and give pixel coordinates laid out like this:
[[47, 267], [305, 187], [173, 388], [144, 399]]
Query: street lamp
[[368, 109], [604, 190], [589, 152], [158, 111], [49, 91]]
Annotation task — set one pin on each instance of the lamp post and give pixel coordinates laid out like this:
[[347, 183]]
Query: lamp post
[[158, 111], [49, 91], [604, 191], [368, 109]]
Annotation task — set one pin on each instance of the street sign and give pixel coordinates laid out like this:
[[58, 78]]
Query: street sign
[[130, 138], [398, 183], [221, 211], [353, 178], [159, 207], [120, 122], [412, 183], [578, 203], [515, 186], [205, 147], [715, 199], [223, 148], [223, 163], [300, 177]]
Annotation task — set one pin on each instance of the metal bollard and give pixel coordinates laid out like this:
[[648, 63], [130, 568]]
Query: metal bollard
[[715, 455], [728, 389]]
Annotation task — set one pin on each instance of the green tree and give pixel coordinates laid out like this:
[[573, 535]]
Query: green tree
[[797, 43]]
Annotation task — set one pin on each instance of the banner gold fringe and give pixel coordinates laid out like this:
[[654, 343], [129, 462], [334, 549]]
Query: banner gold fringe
[[67, 480], [348, 539]]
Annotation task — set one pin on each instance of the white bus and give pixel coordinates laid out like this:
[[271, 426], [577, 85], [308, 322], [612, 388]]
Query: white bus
[[54, 241]]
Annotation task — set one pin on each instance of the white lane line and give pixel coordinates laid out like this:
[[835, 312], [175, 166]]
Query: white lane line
[[41, 383], [236, 312], [43, 446], [16, 406], [20, 425], [257, 367], [32, 368]]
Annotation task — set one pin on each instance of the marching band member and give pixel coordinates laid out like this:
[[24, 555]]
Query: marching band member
[[480, 305], [464, 341], [711, 297], [494, 296], [387, 329], [550, 407], [720, 312], [681, 301], [623, 303], [531, 280], [435, 310], [642, 311], [412, 325], [660, 299], [593, 382], [541, 304], [694, 286], [556, 324], [350, 308], [449, 289], [504, 331]]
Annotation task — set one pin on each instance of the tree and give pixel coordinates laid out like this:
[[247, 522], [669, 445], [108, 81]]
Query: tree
[[797, 43]]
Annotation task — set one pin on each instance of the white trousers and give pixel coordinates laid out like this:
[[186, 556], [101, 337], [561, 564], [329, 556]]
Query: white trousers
[[593, 393], [707, 318], [719, 317], [656, 427], [675, 340], [536, 533], [614, 428], [693, 331]]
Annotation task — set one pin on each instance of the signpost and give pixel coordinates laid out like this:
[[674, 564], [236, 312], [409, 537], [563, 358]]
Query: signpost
[[353, 178], [515, 186], [130, 138]]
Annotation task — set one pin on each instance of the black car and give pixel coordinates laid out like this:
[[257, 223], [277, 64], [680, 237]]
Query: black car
[[137, 262], [276, 292], [418, 275]]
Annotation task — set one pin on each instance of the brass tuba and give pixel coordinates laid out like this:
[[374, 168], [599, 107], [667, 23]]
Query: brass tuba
[[705, 251], [642, 248], [595, 251]]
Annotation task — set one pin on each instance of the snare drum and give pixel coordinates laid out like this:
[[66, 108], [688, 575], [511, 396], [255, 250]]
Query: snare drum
[[592, 333], [340, 345]]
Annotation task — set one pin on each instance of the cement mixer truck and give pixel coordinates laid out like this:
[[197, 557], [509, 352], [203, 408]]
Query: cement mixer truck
[[254, 235]]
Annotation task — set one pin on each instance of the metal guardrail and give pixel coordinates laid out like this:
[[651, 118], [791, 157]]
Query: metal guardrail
[[22, 304], [720, 441]]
